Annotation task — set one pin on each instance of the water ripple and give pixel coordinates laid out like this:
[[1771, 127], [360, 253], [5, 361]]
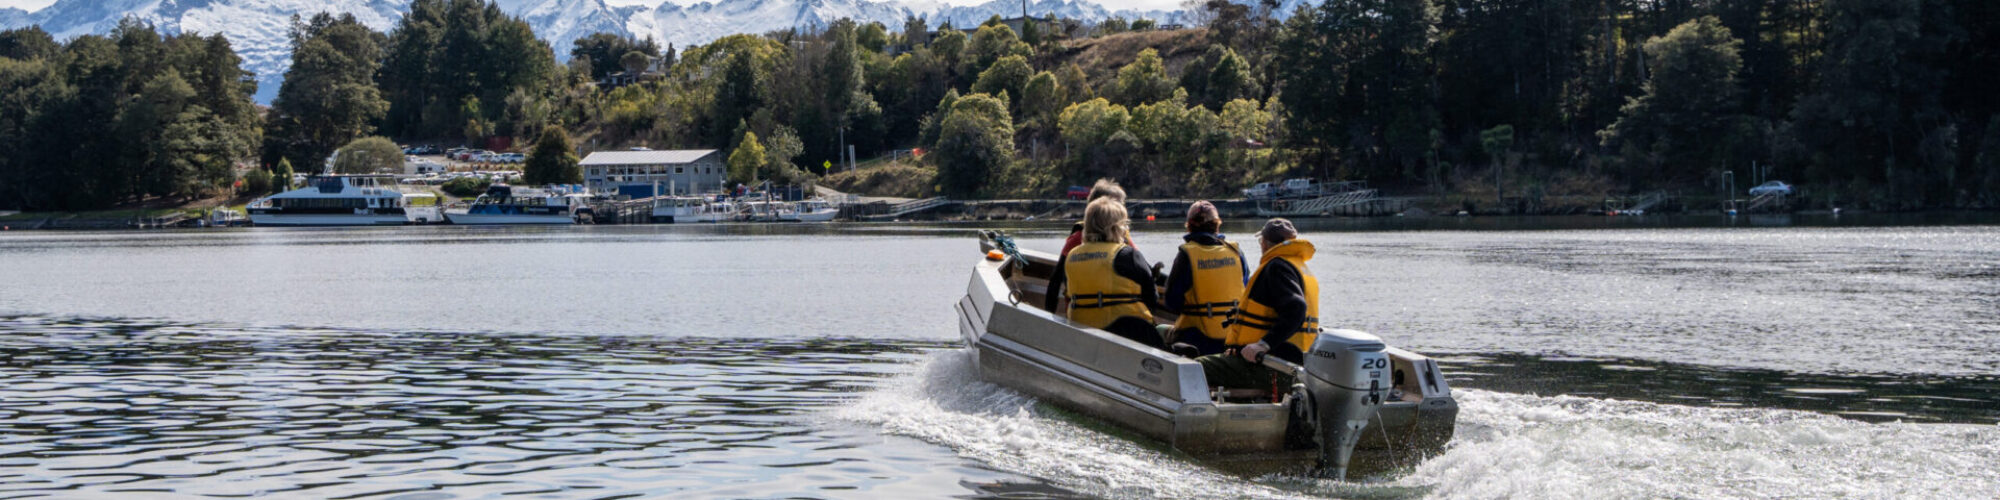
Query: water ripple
[[91, 408]]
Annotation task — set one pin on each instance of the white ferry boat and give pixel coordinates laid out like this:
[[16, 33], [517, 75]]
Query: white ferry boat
[[341, 200], [503, 204]]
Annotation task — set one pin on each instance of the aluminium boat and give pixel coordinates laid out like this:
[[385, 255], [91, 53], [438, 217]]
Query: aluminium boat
[[1358, 402]]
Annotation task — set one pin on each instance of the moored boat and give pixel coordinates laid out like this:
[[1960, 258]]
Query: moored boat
[[1358, 402], [335, 200], [503, 204], [811, 210], [687, 209]]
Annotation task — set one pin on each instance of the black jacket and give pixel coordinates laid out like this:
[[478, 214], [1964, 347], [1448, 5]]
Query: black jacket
[[1281, 287]]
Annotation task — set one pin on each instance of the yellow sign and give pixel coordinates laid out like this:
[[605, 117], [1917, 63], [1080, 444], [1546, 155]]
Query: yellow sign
[[828, 166]]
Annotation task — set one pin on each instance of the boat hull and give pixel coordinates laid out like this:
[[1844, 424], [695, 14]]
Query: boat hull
[[270, 219], [1164, 396]]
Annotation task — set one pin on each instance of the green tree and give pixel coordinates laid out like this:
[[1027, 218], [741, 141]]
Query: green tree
[[1075, 84], [873, 36], [1113, 25], [1087, 128], [1874, 119], [329, 95], [933, 124], [1689, 103], [747, 159], [739, 93], [779, 151], [916, 32], [1217, 77], [256, 182], [1041, 98], [444, 51], [606, 51], [28, 43], [369, 155], [281, 176], [988, 45], [1354, 77], [553, 160], [975, 140], [1143, 81], [1010, 74], [1143, 24]]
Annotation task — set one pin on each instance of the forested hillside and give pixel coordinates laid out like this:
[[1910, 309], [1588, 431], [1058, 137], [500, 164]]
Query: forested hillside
[[1878, 103]]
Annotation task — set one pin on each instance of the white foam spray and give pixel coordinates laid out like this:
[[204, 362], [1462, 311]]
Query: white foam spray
[[1506, 446]]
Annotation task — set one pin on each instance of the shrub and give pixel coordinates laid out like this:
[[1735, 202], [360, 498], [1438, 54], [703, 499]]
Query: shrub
[[465, 187]]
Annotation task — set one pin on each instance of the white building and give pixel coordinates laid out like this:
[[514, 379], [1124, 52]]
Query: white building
[[415, 166], [639, 173]]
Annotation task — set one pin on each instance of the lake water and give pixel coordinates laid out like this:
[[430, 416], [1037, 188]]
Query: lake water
[[1594, 358]]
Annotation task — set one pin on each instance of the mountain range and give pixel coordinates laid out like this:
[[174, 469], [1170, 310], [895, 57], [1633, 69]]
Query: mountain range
[[258, 28]]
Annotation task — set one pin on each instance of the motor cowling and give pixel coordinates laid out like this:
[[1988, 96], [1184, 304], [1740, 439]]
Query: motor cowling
[[1347, 376]]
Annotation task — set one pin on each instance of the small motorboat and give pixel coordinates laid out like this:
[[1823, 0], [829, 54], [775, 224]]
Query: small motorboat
[[1357, 401]]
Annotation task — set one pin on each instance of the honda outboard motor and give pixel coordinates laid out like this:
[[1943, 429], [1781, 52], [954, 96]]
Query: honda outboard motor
[[1347, 376]]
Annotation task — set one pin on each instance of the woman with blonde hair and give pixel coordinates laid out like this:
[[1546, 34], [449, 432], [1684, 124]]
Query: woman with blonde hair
[[1103, 189], [1109, 285]]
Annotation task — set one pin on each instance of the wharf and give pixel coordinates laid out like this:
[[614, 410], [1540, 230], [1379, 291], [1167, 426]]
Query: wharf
[[622, 210]]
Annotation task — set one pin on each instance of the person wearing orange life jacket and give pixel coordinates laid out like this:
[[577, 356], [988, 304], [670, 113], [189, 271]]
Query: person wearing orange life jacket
[[1104, 188], [1208, 278], [1108, 283], [1278, 316]]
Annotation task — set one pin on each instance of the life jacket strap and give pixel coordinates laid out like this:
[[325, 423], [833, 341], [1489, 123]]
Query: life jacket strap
[[1099, 300]]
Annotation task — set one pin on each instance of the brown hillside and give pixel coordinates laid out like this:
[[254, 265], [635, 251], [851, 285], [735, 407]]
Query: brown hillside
[[1101, 57]]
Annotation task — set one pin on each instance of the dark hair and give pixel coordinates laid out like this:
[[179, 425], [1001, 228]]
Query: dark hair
[[1202, 218]]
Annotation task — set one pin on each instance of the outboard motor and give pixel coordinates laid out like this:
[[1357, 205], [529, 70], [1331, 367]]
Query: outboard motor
[[1347, 376]]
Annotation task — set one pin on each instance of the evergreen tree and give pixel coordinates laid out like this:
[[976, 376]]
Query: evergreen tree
[[553, 160], [329, 95]]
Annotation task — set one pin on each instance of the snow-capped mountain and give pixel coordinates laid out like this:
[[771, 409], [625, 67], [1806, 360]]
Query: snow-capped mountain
[[10, 16], [258, 28]]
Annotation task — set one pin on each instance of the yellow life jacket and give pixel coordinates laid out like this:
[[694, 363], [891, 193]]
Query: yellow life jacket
[[1215, 289], [1254, 319], [1097, 294]]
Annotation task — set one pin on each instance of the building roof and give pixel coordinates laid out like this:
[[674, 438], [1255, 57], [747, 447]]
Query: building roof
[[645, 157]]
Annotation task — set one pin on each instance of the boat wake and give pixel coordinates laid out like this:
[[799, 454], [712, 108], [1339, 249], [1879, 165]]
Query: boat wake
[[1507, 446]]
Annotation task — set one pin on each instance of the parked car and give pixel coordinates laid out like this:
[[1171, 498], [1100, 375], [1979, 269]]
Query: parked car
[[1078, 193], [1779, 188], [1301, 188], [1261, 191]]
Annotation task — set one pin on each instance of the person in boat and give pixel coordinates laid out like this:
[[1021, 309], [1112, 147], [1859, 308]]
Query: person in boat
[[1108, 283], [1207, 280], [1104, 188], [1278, 315]]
